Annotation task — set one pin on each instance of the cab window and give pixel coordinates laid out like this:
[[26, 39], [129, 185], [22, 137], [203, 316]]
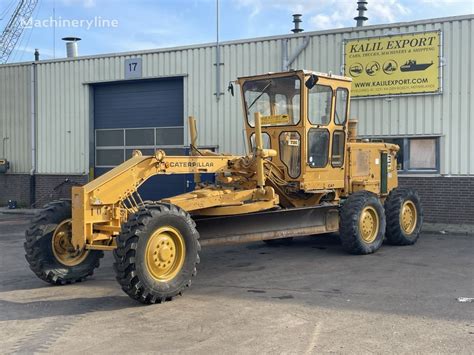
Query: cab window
[[290, 153], [342, 96], [338, 139], [318, 147], [261, 104], [319, 105], [277, 100], [266, 141]]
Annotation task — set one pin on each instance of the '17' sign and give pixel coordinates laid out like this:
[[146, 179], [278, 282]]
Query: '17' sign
[[133, 68]]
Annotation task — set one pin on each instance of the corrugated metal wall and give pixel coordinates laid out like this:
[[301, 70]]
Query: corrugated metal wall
[[448, 115], [15, 117], [64, 101]]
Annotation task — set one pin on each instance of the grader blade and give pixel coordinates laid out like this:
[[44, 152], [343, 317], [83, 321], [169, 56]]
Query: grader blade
[[268, 225]]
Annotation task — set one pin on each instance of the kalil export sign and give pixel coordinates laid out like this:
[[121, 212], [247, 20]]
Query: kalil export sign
[[394, 65]]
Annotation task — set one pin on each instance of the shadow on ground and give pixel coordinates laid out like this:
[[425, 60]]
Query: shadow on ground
[[10, 310]]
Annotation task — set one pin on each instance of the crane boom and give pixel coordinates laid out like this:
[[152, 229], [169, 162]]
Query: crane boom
[[12, 32]]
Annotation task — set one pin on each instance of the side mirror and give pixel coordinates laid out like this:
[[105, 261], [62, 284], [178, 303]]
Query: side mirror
[[230, 88], [312, 80]]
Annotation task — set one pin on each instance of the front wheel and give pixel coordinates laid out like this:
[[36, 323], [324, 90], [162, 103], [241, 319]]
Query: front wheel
[[157, 253], [362, 223], [404, 217], [49, 250]]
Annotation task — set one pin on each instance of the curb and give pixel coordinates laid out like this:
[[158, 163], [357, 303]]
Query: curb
[[24, 212], [443, 228]]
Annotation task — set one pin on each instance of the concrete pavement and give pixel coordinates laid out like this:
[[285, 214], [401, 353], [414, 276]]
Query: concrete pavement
[[309, 297]]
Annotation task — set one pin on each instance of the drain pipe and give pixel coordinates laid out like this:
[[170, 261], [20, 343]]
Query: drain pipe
[[284, 54], [298, 51], [287, 61], [33, 94]]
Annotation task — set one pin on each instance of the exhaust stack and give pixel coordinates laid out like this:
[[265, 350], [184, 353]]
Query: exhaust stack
[[297, 20], [362, 8], [71, 46]]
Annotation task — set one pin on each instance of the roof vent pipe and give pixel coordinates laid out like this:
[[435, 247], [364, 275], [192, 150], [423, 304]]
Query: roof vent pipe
[[37, 55], [297, 20], [71, 46], [362, 8]]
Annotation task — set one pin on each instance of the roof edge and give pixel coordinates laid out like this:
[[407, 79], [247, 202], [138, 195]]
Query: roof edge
[[252, 40]]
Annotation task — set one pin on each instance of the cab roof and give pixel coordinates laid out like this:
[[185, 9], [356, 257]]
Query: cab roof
[[304, 71]]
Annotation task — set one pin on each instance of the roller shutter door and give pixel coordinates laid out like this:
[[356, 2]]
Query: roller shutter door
[[145, 115]]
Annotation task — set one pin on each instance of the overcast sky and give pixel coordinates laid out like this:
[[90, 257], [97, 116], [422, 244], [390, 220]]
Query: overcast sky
[[125, 25]]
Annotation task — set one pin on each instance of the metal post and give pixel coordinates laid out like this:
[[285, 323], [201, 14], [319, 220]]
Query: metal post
[[218, 56], [33, 135], [54, 29]]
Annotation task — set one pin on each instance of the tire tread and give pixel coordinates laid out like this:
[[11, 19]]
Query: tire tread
[[37, 258], [125, 254], [348, 223], [394, 234]]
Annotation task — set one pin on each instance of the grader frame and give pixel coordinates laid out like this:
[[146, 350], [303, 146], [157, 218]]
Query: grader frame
[[100, 207], [307, 174]]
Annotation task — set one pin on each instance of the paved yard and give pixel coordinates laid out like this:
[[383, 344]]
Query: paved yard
[[309, 297]]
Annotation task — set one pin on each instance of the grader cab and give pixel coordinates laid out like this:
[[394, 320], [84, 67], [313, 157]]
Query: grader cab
[[307, 173]]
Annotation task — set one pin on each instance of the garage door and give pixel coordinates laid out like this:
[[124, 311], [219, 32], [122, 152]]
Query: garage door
[[145, 115]]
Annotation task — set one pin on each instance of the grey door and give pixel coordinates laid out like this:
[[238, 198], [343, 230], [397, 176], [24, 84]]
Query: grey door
[[144, 115]]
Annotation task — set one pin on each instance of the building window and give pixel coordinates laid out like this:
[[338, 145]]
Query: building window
[[416, 154], [114, 146], [422, 154]]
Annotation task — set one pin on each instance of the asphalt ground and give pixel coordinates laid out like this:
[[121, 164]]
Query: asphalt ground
[[307, 297]]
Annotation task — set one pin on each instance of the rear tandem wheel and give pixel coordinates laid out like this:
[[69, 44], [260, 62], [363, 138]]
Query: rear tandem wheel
[[362, 223], [404, 216]]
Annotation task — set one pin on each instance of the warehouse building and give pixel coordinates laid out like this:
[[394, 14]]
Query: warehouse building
[[74, 118]]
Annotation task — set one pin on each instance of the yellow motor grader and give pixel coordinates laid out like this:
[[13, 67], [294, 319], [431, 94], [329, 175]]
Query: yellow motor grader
[[307, 174]]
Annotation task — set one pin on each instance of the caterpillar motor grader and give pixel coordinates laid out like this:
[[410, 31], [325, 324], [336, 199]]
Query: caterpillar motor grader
[[307, 174]]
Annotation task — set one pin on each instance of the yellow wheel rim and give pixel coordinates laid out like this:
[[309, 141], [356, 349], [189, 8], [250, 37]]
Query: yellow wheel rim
[[369, 224], [408, 217], [62, 247], [165, 253]]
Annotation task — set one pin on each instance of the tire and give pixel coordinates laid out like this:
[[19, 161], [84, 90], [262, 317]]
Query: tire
[[39, 248], [364, 209], [403, 203], [278, 242], [138, 262]]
